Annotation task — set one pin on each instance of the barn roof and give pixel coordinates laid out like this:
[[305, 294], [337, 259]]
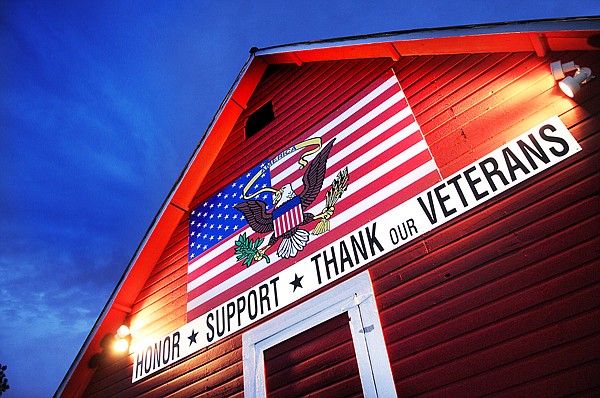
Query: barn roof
[[541, 37]]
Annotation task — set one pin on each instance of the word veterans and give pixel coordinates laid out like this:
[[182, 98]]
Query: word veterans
[[497, 172]]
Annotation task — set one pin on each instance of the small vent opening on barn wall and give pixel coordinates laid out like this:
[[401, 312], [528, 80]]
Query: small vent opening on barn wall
[[259, 119]]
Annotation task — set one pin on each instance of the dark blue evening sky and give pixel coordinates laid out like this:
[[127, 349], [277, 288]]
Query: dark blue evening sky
[[101, 105]]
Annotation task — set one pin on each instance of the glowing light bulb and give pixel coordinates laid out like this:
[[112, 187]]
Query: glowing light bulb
[[121, 345], [123, 331]]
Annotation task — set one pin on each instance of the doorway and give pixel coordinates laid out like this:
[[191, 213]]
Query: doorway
[[330, 344]]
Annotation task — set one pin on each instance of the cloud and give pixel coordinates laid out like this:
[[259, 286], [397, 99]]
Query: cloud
[[84, 166], [47, 310]]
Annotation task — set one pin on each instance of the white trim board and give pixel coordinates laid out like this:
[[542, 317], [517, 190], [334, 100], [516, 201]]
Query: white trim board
[[355, 297]]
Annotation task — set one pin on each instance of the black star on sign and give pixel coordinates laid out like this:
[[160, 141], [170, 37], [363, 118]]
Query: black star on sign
[[192, 337], [297, 282]]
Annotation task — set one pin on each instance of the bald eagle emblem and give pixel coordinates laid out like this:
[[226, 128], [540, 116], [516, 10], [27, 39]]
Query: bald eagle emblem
[[289, 217]]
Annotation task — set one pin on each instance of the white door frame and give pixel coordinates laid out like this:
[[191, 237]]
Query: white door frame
[[354, 296]]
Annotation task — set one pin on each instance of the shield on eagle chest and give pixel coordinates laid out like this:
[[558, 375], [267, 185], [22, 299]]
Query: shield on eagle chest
[[287, 216]]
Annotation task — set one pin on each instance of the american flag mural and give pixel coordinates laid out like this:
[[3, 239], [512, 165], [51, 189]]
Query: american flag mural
[[374, 136]]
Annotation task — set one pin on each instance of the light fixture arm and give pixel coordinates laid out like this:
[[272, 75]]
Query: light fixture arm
[[584, 75], [559, 69]]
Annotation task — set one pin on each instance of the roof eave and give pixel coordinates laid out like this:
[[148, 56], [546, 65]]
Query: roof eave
[[579, 24]]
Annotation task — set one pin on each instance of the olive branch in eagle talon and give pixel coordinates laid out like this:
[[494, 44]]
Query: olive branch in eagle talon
[[294, 238], [248, 250]]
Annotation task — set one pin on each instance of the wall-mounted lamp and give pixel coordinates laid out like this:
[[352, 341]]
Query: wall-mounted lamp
[[122, 339], [110, 345], [570, 85]]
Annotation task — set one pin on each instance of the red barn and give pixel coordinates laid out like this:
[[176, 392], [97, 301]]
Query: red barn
[[403, 214]]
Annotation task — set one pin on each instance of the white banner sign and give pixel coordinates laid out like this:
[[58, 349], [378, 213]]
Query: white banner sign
[[520, 159]]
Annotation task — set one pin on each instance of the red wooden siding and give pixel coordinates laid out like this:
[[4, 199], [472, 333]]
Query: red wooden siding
[[503, 300], [319, 362]]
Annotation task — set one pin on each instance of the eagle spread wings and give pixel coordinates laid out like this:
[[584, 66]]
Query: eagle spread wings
[[255, 210]]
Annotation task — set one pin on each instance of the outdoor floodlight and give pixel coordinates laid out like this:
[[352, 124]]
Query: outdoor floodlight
[[570, 85], [123, 331], [122, 339]]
